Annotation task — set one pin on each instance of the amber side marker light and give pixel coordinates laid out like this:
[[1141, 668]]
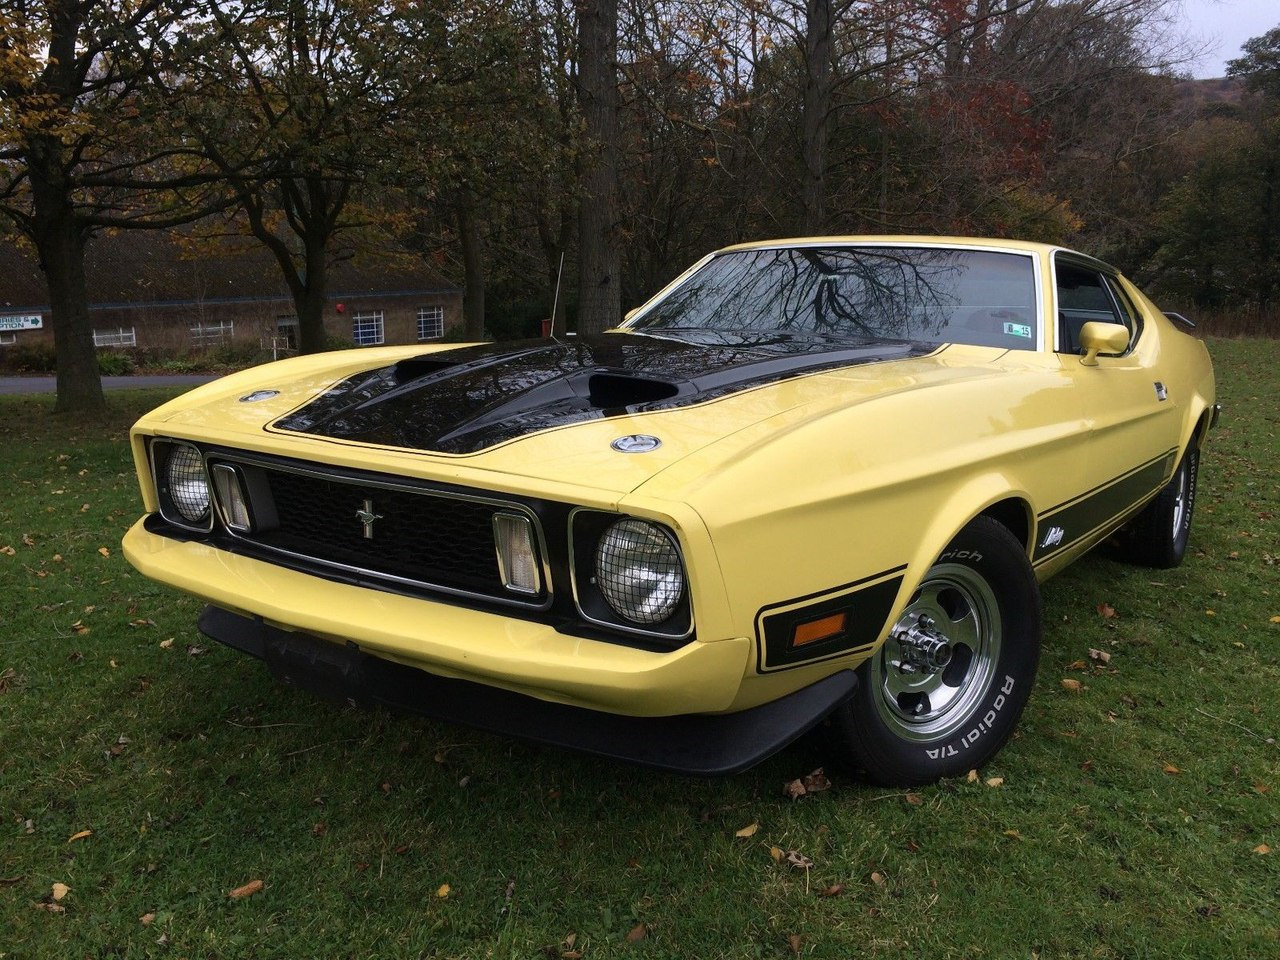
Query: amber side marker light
[[815, 630]]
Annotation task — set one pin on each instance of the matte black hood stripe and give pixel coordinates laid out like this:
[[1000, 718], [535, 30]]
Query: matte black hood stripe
[[472, 398]]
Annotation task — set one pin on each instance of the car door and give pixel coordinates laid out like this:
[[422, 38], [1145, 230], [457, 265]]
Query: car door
[[1133, 420]]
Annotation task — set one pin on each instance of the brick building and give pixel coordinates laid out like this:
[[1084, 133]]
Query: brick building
[[146, 290]]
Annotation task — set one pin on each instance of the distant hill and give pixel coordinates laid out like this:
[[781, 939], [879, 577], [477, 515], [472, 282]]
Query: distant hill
[[1202, 95]]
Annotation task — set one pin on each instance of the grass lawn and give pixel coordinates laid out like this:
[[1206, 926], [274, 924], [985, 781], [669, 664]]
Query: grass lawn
[[152, 772]]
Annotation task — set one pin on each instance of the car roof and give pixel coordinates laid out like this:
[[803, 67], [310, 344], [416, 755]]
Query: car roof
[[914, 240]]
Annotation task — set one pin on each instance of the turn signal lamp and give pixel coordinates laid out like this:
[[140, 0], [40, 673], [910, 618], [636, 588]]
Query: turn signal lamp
[[821, 629]]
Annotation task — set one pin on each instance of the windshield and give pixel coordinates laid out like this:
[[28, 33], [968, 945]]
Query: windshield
[[924, 294]]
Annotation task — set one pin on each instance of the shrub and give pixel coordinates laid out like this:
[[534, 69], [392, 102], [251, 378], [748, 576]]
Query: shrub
[[114, 363], [29, 358]]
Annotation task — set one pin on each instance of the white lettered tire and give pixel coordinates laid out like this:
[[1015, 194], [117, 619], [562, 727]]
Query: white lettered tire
[[942, 695]]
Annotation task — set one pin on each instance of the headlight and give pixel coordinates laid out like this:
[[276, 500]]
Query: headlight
[[183, 484], [638, 571]]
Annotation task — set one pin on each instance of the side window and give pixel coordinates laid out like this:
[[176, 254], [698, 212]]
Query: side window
[[1083, 295]]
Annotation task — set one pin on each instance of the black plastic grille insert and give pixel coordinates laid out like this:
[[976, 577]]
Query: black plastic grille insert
[[429, 539]]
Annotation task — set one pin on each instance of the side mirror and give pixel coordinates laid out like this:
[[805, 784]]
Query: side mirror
[[1097, 337]]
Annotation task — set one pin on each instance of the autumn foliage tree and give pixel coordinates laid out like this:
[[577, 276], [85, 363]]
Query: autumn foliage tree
[[85, 147]]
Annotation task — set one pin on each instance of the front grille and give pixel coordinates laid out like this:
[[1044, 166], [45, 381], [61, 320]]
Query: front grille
[[425, 537]]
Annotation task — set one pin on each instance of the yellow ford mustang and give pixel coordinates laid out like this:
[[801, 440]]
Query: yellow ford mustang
[[809, 479]]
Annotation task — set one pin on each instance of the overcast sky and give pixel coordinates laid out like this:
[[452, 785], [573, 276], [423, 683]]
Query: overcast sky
[[1223, 26]]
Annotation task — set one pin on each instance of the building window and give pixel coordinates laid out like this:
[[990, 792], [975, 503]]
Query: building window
[[212, 334], [8, 339], [119, 337], [430, 323], [366, 327], [286, 332]]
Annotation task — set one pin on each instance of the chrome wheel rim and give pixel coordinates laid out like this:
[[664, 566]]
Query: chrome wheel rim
[[1180, 498], [917, 698]]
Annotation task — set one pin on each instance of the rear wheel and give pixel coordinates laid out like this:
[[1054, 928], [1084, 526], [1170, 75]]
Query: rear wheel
[[943, 693], [1158, 536]]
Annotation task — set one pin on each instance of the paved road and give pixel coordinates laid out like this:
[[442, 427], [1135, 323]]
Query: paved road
[[46, 384]]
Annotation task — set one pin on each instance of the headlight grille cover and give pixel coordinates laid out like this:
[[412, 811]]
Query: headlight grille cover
[[638, 570], [186, 484]]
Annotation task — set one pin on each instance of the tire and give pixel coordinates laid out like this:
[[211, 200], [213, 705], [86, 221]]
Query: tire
[[1158, 536], [943, 718]]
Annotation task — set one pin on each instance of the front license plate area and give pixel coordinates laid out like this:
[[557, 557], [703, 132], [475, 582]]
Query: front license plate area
[[309, 663]]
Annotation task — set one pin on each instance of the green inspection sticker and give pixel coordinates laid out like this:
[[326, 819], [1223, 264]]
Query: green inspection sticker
[[1018, 330]]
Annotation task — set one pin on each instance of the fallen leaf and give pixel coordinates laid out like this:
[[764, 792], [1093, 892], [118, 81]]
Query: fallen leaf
[[142, 623], [104, 551], [1014, 834], [995, 781], [8, 551], [27, 541], [795, 789], [1076, 665], [1086, 766], [1107, 610], [50, 907], [166, 644], [817, 781], [776, 853], [1071, 685], [60, 890], [1171, 769], [1210, 613], [1275, 619], [80, 836], [914, 799], [84, 508], [147, 919], [832, 891], [748, 831], [79, 627], [972, 776], [195, 650], [1262, 848], [1261, 788], [637, 933], [319, 829], [442, 891], [794, 943], [248, 890], [877, 878], [798, 860], [1100, 655]]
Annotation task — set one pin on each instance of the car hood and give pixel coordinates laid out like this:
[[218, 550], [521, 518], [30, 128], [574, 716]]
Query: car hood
[[551, 410], [469, 399]]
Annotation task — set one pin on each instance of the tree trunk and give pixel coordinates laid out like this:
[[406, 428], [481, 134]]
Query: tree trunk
[[817, 106], [599, 280], [309, 299], [473, 272], [59, 238]]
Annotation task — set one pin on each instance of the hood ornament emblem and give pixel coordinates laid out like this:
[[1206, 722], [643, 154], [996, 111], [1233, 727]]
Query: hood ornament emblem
[[259, 395], [636, 443], [366, 516]]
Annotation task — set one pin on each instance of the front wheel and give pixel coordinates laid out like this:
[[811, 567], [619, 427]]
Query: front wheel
[[943, 693]]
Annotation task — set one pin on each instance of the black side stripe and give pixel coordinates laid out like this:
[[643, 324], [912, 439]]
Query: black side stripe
[[1073, 520], [866, 604]]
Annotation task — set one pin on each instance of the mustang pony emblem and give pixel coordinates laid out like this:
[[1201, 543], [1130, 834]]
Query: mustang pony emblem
[[366, 516]]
